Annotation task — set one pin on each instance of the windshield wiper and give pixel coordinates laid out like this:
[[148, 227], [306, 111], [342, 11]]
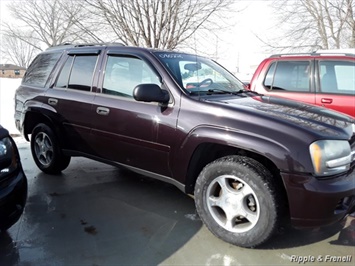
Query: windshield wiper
[[232, 92], [210, 91], [246, 91], [220, 91]]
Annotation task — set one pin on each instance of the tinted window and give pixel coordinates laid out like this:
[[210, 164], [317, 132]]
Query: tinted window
[[198, 74], [82, 72], [269, 78], [123, 74], [62, 81], [337, 77], [289, 76], [38, 72]]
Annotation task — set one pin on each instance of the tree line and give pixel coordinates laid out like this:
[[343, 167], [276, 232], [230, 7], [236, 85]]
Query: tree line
[[166, 24]]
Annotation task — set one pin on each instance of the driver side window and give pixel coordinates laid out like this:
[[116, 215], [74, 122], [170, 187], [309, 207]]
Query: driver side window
[[124, 73]]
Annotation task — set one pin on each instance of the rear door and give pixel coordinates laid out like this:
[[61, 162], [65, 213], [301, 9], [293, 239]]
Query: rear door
[[72, 95], [336, 85]]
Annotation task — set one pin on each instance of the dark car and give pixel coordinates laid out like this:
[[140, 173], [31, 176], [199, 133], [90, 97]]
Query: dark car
[[13, 182], [248, 159], [325, 78]]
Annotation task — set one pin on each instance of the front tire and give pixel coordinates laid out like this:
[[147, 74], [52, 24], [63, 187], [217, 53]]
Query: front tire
[[46, 150], [236, 199]]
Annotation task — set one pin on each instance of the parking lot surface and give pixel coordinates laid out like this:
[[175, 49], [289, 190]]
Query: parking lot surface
[[95, 214]]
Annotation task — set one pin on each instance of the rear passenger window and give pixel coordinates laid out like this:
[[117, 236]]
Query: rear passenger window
[[288, 76], [337, 77], [40, 69], [77, 72]]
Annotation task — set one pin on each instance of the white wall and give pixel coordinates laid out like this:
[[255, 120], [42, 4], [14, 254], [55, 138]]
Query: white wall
[[7, 104]]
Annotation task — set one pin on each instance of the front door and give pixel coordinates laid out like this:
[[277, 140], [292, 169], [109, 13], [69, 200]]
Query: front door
[[291, 80], [127, 131]]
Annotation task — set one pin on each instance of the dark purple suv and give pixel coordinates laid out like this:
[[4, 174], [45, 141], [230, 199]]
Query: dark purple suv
[[247, 159]]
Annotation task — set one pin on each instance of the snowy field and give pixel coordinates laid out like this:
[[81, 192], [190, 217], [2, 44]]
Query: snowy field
[[7, 104]]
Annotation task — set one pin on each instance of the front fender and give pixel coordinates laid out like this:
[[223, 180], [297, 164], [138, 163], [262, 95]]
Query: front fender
[[287, 159]]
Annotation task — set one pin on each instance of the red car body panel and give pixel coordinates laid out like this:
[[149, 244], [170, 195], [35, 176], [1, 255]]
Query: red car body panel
[[342, 102]]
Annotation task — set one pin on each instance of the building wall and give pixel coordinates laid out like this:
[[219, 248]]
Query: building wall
[[12, 73]]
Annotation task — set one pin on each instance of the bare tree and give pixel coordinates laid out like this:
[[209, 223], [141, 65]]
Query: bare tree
[[314, 24], [48, 22], [347, 13], [157, 23], [17, 51]]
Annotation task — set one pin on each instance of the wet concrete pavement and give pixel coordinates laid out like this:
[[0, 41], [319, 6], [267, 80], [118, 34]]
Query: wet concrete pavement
[[95, 214]]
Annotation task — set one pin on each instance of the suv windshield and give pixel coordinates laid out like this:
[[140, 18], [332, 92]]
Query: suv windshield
[[198, 74]]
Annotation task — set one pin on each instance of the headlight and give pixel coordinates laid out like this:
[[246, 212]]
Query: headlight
[[330, 157], [8, 160]]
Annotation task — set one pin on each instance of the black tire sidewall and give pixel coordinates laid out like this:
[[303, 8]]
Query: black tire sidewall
[[252, 173], [55, 165]]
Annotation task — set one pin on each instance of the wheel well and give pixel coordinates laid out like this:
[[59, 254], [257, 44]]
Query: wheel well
[[32, 119], [208, 152]]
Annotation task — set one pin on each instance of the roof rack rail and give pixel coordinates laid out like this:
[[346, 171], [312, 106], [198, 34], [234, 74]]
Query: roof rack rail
[[291, 54], [100, 44], [65, 45], [344, 52]]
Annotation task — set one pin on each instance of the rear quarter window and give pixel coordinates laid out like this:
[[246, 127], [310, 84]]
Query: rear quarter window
[[40, 69]]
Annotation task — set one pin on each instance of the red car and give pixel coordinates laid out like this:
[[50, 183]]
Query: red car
[[325, 78]]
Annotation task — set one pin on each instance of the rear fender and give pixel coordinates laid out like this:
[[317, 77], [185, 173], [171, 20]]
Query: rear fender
[[36, 112]]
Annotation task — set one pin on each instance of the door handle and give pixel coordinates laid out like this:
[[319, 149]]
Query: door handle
[[102, 110], [326, 100], [52, 101]]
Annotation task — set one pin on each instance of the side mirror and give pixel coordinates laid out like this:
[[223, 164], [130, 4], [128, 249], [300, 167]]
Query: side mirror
[[150, 93]]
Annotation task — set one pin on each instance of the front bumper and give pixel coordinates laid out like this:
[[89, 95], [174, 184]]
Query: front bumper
[[13, 194], [316, 203]]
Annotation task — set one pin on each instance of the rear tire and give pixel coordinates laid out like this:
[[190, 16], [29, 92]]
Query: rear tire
[[236, 199], [46, 150]]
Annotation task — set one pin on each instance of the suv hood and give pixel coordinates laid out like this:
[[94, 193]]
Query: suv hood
[[321, 121]]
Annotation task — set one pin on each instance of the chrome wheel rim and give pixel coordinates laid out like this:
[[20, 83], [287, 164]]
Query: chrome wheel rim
[[43, 149], [233, 203]]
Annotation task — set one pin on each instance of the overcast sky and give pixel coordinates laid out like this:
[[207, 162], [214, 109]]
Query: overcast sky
[[236, 48], [239, 47]]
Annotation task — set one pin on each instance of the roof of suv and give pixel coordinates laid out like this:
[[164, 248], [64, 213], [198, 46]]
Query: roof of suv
[[334, 52], [67, 46]]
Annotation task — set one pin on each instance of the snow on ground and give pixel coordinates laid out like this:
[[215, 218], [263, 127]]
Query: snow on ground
[[7, 104]]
